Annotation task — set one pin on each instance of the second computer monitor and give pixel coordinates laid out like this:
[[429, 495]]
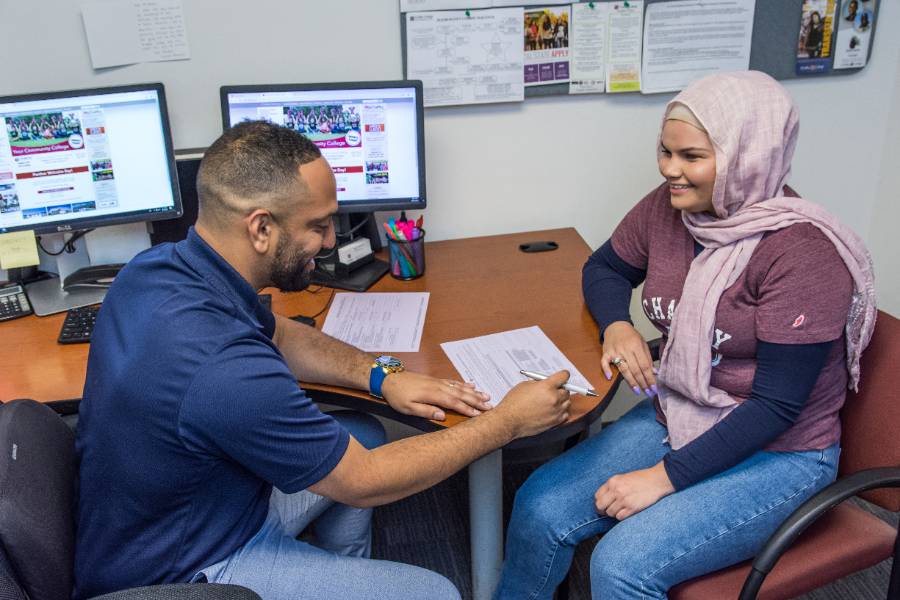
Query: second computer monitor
[[371, 133]]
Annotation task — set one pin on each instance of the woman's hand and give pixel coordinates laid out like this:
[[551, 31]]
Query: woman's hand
[[625, 349], [629, 493]]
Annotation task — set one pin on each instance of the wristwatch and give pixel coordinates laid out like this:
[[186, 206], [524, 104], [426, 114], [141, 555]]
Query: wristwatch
[[382, 367]]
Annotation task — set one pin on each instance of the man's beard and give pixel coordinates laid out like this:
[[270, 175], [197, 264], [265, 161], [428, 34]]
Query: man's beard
[[289, 272]]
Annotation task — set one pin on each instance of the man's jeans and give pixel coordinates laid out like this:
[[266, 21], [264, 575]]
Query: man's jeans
[[278, 566], [715, 523]]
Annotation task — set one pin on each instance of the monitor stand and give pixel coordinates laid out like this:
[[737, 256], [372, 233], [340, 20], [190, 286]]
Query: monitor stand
[[359, 280], [48, 297], [348, 227], [107, 246]]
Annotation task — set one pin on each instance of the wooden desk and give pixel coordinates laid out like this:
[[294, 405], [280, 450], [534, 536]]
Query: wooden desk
[[477, 286]]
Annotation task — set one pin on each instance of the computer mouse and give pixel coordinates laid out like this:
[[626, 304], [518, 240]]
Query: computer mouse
[[305, 320]]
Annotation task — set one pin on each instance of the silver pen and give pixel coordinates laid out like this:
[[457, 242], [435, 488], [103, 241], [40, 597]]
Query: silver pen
[[568, 386]]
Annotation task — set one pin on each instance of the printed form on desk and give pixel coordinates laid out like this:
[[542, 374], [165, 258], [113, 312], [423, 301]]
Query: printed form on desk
[[492, 362], [378, 322]]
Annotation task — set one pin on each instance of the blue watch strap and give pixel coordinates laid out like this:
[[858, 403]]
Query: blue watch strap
[[376, 378]]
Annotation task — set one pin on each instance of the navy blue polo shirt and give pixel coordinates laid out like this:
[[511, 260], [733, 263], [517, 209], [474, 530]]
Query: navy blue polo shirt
[[190, 415]]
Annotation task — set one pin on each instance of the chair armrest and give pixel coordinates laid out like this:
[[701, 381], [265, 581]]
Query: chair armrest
[[655, 345], [64, 407], [184, 591], [807, 514]]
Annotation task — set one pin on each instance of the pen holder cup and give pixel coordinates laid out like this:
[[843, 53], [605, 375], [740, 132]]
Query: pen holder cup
[[407, 257]]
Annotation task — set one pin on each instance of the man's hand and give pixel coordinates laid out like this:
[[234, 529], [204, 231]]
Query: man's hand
[[630, 493], [423, 396], [535, 406]]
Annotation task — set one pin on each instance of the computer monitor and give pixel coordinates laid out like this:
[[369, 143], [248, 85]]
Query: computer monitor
[[371, 133], [76, 160], [86, 158]]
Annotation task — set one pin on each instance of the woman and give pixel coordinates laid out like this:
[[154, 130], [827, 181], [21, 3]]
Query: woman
[[815, 35], [546, 33], [765, 303]]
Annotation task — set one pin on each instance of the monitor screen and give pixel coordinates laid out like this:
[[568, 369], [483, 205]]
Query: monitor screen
[[371, 134], [86, 158]]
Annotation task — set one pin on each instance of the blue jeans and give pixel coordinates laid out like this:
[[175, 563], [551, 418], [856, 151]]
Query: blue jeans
[[718, 522], [278, 566]]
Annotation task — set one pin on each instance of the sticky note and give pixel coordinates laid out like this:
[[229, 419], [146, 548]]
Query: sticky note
[[18, 249]]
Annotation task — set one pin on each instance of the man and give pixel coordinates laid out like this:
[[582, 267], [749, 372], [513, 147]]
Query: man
[[192, 415]]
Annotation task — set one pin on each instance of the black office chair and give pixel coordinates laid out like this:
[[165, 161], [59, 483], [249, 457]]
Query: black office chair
[[37, 526]]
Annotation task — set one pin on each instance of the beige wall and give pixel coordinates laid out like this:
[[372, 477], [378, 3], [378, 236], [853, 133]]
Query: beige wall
[[884, 232]]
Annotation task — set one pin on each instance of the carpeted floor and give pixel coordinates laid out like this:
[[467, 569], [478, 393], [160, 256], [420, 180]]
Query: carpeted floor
[[431, 528]]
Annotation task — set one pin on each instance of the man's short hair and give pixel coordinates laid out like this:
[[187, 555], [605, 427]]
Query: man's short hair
[[252, 165]]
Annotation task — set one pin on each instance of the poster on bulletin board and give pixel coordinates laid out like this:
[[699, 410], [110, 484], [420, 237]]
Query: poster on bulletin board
[[854, 34], [814, 41], [546, 45]]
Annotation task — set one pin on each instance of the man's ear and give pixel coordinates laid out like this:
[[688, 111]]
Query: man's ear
[[261, 230]]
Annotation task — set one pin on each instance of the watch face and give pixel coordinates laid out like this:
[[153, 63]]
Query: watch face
[[391, 362]]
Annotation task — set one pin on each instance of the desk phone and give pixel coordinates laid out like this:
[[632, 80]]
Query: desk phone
[[13, 302]]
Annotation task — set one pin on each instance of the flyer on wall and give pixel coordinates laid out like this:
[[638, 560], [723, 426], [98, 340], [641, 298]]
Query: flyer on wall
[[854, 34], [466, 57], [623, 67], [546, 38], [814, 41], [589, 35], [685, 40]]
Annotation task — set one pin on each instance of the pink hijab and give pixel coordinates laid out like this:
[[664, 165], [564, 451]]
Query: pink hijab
[[753, 126]]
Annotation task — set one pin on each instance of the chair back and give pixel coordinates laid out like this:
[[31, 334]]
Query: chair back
[[9, 582], [37, 488], [870, 419]]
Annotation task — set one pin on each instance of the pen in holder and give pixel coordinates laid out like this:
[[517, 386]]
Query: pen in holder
[[407, 256]]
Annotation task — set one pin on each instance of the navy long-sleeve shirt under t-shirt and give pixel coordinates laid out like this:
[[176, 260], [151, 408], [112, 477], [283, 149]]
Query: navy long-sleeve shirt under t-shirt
[[785, 375]]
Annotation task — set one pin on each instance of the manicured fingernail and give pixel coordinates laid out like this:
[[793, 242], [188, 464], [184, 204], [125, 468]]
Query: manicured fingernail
[[476, 412], [637, 390], [608, 375], [438, 416], [653, 387], [649, 392]]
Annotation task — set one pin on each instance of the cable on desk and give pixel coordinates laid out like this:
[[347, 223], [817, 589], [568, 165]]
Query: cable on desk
[[327, 304]]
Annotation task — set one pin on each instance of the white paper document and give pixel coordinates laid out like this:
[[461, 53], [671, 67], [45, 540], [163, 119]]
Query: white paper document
[[623, 67], [124, 33], [377, 322], [466, 59], [492, 362], [588, 59], [499, 3], [685, 40], [414, 5]]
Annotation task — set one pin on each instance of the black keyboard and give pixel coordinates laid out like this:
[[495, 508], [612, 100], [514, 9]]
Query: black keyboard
[[79, 325]]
